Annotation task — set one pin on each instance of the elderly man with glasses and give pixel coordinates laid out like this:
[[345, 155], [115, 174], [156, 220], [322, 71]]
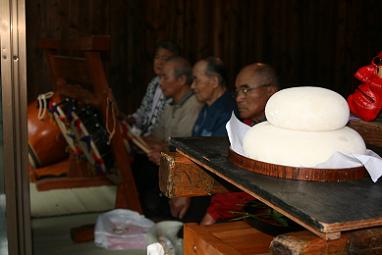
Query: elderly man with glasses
[[255, 84]]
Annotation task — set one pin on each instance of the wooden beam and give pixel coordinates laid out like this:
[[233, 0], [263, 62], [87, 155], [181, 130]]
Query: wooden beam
[[180, 177], [366, 241], [77, 182], [90, 43], [371, 132]]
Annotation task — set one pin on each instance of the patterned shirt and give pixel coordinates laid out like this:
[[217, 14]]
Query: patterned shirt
[[152, 105]]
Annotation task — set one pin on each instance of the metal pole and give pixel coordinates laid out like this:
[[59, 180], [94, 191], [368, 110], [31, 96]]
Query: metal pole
[[14, 103]]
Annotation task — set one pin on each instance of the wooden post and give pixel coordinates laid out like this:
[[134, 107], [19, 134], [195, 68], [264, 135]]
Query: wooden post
[[180, 177]]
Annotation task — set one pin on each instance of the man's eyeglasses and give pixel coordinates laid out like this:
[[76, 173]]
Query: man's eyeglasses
[[246, 89]]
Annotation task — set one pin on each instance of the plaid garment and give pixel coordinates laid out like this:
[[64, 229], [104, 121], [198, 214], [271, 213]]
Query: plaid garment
[[152, 105]]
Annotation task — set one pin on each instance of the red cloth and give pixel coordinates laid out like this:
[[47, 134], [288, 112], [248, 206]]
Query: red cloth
[[366, 101], [223, 204], [249, 122]]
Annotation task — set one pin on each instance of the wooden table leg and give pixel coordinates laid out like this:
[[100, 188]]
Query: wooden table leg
[[82, 234]]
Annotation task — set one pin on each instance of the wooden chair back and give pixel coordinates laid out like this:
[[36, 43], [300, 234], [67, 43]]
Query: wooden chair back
[[78, 72]]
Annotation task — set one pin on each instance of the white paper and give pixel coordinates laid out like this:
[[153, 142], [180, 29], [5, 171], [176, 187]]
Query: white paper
[[370, 160], [155, 249], [373, 164], [236, 131]]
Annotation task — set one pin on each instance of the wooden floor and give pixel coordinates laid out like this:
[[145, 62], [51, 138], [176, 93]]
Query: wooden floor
[[51, 236]]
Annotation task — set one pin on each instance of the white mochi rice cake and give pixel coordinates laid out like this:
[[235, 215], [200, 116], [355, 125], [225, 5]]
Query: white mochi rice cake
[[267, 143], [307, 108]]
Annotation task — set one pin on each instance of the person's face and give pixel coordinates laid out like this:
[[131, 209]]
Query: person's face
[[169, 84], [161, 56], [251, 95], [203, 85]]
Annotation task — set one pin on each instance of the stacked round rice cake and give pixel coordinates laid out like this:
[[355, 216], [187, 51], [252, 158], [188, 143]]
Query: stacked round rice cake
[[305, 126]]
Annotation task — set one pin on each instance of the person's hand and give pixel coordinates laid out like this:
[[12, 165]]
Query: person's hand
[[158, 146], [154, 156], [131, 120], [155, 150], [207, 220], [179, 206]]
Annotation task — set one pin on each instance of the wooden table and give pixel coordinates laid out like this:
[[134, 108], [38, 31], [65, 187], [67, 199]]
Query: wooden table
[[326, 209]]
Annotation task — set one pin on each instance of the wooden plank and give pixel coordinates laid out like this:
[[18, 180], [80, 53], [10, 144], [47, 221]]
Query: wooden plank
[[73, 182], [371, 132], [121, 156], [180, 177], [234, 238], [325, 209], [297, 173], [95, 42], [58, 169], [72, 69], [367, 241], [325, 236]]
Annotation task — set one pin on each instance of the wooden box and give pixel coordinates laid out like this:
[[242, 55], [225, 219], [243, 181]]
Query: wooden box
[[234, 238], [180, 177]]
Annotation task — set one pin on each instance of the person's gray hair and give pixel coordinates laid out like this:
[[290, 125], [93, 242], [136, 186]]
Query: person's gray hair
[[267, 74], [182, 67], [215, 67]]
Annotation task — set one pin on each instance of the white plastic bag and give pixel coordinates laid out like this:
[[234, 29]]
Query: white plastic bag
[[122, 229]]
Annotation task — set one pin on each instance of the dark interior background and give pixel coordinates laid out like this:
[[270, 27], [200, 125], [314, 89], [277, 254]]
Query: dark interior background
[[311, 42]]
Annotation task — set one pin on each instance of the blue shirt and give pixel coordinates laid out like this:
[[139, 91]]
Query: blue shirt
[[212, 119]]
